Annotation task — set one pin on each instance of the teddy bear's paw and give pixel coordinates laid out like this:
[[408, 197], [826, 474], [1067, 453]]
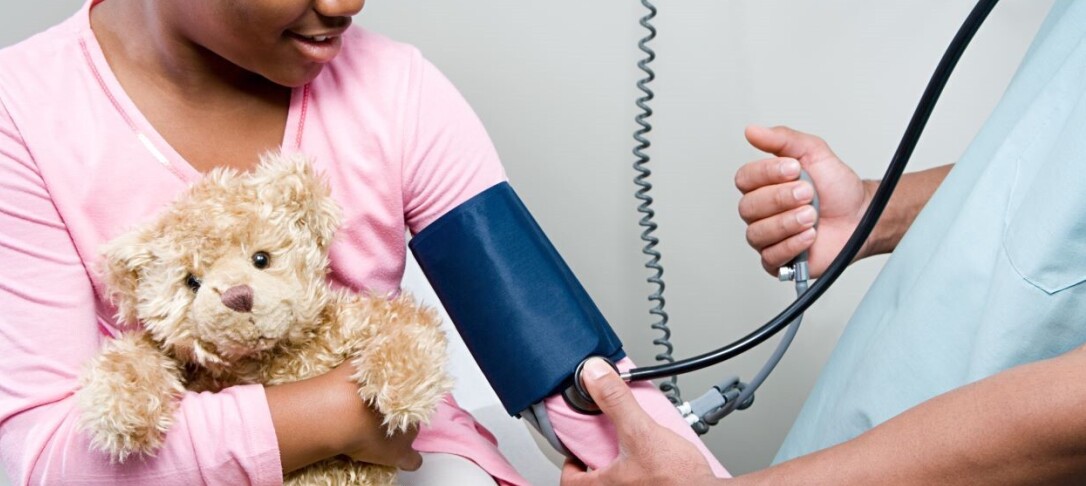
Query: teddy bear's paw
[[124, 441], [400, 369], [405, 400], [128, 399], [397, 422], [124, 426], [400, 415]]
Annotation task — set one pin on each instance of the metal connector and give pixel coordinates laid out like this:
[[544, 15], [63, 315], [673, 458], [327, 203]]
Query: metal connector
[[786, 273]]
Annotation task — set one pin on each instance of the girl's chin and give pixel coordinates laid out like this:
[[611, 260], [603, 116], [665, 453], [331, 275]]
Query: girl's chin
[[296, 78]]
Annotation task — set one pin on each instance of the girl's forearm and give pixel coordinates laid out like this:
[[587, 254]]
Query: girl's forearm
[[321, 417]]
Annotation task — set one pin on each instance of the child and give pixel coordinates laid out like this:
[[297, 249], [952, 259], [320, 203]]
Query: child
[[109, 115]]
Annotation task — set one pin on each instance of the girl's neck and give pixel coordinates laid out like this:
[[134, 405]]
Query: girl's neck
[[136, 34], [211, 112]]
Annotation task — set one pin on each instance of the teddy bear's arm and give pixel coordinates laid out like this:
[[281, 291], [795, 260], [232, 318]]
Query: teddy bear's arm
[[400, 359], [129, 394]]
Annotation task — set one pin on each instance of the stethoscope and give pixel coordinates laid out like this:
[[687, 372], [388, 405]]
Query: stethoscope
[[578, 397]]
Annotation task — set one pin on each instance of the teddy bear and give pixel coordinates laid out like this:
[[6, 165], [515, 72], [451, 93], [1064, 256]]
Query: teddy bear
[[228, 286]]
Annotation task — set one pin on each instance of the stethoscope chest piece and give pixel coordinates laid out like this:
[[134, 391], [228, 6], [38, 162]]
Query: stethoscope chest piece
[[577, 396]]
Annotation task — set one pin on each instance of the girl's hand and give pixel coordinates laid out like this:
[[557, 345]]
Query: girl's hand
[[394, 450]]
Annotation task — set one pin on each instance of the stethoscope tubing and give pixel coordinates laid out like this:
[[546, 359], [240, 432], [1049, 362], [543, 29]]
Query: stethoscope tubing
[[852, 247]]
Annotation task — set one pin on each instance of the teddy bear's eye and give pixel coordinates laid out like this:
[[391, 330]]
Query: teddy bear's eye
[[192, 282], [261, 259]]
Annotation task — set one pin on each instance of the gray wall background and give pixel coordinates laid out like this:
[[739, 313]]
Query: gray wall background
[[554, 84]]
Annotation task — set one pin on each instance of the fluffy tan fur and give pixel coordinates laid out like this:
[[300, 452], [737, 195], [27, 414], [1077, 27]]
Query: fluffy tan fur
[[180, 277]]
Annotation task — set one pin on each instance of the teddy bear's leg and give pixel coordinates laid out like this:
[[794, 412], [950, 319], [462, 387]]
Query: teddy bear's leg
[[129, 394], [401, 363], [340, 470]]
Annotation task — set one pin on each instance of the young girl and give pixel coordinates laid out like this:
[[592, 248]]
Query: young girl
[[106, 117]]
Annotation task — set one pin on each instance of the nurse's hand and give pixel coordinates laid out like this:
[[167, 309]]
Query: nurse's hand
[[648, 453], [776, 203]]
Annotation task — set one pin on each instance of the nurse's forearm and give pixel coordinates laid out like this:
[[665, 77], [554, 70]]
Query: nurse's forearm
[[911, 194], [1022, 426]]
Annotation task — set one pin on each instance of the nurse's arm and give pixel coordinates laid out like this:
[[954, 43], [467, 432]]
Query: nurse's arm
[[910, 196], [1023, 426]]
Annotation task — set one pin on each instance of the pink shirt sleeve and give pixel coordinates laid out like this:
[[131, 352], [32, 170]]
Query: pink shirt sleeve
[[450, 159], [49, 329]]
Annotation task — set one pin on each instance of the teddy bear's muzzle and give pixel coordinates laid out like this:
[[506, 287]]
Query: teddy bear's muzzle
[[238, 298]]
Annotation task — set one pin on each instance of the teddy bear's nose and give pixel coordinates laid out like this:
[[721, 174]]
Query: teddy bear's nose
[[238, 298]]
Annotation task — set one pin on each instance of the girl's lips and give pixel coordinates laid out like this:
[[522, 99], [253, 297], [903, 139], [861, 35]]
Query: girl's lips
[[320, 49]]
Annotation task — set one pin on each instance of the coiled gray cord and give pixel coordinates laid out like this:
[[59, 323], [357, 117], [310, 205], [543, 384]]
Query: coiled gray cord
[[670, 386]]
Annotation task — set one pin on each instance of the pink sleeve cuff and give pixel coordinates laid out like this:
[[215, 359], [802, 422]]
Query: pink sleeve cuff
[[220, 438]]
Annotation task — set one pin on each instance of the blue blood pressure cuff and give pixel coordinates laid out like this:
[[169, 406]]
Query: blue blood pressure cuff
[[522, 313]]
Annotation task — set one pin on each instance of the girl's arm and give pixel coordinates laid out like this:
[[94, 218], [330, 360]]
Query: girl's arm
[[50, 328], [449, 159]]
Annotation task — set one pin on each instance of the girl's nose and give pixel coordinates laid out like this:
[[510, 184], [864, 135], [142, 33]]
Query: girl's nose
[[339, 8]]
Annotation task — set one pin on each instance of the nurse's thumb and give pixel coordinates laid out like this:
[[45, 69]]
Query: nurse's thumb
[[614, 398], [784, 142]]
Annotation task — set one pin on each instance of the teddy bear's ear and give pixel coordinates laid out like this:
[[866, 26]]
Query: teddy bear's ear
[[290, 183], [122, 259]]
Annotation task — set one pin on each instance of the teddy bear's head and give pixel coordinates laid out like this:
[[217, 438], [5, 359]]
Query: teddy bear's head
[[234, 267]]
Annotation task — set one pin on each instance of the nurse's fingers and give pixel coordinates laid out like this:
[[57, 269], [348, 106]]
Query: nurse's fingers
[[776, 256], [771, 200], [766, 172], [575, 474], [615, 400], [774, 229]]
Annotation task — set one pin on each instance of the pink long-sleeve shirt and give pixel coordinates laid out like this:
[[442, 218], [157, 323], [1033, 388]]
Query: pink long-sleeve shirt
[[79, 165]]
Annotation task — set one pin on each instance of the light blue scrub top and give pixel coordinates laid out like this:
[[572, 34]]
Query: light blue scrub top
[[989, 276]]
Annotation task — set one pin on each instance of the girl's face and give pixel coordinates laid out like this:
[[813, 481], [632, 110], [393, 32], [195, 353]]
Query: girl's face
[[286, 41]]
